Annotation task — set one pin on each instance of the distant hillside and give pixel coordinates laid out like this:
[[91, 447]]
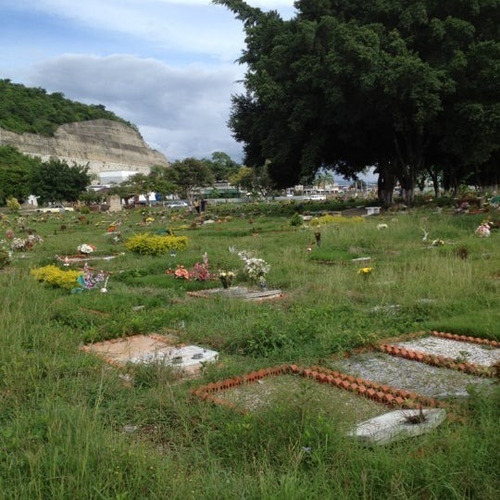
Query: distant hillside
[[33, 110], [48, 125]]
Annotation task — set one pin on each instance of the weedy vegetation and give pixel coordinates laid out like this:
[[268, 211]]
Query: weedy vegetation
[[72, 426]]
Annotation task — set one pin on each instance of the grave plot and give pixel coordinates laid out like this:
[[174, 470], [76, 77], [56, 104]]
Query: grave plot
[[74, 259], [288, 390], [431, 381], [238, 292], [457, 352], [434, 365], [255, 382], [150, 349], [346, 400]]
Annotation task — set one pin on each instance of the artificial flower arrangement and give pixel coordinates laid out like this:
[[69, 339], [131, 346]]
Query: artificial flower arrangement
[[88, 280], [86, 249], [23, 244], [226, 278], [365, 271], [180, 272], [255, 268], [483, 230], [199, 272]]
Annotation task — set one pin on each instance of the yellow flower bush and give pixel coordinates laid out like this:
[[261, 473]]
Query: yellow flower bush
[[335, 219], [57, 277], [148, 244]]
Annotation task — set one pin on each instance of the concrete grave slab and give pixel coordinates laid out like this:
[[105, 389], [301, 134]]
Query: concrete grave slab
[[409, 375], [397, 425], [238, 292], [149, 349], [72, 259]]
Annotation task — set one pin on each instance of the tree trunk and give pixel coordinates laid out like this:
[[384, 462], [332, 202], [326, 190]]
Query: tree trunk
[[385, 184]]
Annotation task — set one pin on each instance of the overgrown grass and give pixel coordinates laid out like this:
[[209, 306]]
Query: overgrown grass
[[71, 428]]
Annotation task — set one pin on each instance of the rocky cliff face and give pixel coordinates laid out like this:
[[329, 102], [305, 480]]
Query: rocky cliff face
[[103, 145]]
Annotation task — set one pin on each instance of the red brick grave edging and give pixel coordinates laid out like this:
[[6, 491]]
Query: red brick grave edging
[[464, 338], [443, 361], [379, 393]]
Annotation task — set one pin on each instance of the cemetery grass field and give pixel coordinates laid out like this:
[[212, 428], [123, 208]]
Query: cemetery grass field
[[73, 426]]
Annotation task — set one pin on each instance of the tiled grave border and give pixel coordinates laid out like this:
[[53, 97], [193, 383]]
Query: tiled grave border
[[387, 395], [464, 338], [436, 360]]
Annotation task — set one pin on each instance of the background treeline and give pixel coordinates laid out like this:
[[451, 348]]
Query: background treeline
[[24, 109], [51, 181], [407, 87]]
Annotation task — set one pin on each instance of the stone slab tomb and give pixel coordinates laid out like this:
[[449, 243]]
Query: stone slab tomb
[[150, 349], [238, 292], [397, 425]]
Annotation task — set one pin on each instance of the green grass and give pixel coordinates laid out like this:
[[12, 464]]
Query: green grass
[[71, 428]]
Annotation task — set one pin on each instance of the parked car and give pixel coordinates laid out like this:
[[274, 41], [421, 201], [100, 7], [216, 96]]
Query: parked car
[[177, 204]]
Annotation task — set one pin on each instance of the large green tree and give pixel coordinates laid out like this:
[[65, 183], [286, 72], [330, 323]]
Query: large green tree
[[56, 181], [401, 85], [221, 165], [15, 174], [188, 174]]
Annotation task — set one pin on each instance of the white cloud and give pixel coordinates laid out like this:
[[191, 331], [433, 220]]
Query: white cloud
[[190, 26], [180, 111], [166, 66]]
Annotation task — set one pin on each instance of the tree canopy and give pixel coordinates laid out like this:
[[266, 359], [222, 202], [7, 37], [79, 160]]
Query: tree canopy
[[187, 174], [405, 86], [221, 165], [15, 174], [56, 181], [24, 109]]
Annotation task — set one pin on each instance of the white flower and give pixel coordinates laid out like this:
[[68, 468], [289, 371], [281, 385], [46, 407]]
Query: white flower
[[483, 230], [382, 226], [84, 248], [437, 243]]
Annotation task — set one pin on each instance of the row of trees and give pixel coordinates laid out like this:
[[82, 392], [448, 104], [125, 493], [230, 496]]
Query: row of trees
[[50, 181], [409, 87], [56, 181], [181, 177]]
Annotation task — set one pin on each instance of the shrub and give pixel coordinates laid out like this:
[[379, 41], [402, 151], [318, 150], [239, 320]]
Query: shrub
[[57, 277], [296, 220], [335, 219], [13, 205], [147, 244]]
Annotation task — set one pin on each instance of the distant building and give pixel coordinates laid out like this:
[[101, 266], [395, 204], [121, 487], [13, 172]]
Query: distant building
[[115, 176]]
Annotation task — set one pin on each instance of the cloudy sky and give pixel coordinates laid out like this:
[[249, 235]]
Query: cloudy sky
[[167, 66]]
